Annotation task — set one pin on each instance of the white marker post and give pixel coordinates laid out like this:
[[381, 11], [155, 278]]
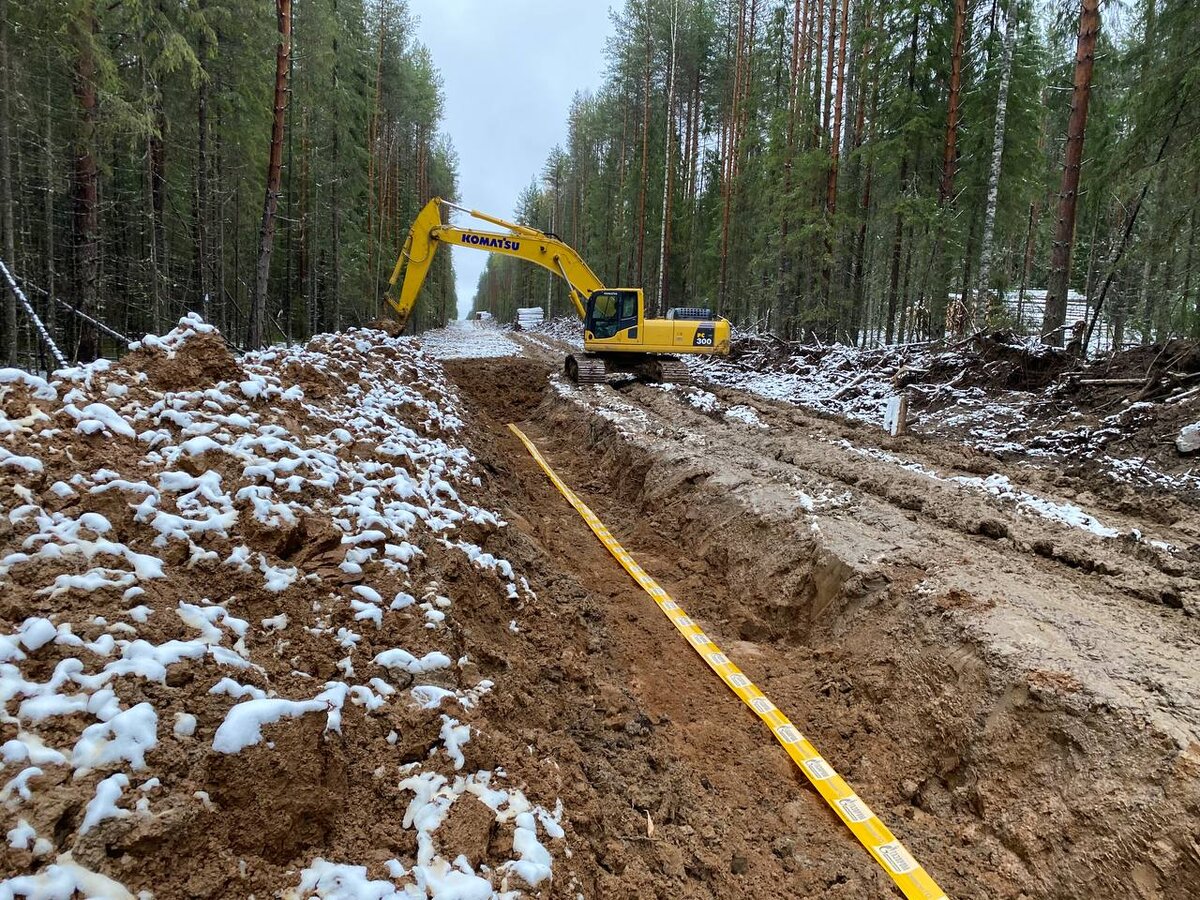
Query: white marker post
[[895, 418]]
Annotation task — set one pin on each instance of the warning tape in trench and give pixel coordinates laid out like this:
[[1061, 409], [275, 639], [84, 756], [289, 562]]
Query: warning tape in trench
[[884, 846]]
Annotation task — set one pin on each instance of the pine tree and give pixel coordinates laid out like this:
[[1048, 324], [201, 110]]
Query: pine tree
[[1068, 192], [258, 306]]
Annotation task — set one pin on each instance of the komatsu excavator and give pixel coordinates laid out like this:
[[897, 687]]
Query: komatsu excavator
[[617, 336]]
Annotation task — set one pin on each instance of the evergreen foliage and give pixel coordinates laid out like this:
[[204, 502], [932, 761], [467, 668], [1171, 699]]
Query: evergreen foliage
[[787, 215], [179, 133]]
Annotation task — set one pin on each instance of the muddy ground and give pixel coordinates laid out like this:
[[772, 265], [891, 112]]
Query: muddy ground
[[1001, 657], [1018, 699]]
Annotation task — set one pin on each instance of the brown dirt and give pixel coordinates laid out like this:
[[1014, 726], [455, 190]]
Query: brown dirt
[[980, 676], [1017, 700], [274, 807], [200, 362]]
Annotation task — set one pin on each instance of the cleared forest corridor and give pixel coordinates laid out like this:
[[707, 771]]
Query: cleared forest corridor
[[312, 620], [869, 328]]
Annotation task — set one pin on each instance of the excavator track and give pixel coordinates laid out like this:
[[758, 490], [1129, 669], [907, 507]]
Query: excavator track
[[672, 370], [584, 368]]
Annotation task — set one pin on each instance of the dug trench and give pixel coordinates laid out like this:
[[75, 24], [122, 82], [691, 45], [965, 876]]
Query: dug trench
[[1003, 780]]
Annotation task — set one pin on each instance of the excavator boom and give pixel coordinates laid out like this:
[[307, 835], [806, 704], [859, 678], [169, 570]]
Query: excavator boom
[[520, 241]]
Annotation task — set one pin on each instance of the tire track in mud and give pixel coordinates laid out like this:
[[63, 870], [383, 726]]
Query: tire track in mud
[[1005, 781]]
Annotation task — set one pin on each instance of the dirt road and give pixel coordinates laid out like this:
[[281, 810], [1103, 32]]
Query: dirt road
[[1004, 667]]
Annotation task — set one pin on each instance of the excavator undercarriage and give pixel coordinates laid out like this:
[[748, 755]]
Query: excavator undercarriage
[[594, 368]]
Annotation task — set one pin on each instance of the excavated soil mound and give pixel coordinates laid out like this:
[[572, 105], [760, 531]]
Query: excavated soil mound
[[255, 633], [199, 362]]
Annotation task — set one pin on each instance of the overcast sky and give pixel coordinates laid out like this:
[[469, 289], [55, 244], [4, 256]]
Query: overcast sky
[[509, 70]]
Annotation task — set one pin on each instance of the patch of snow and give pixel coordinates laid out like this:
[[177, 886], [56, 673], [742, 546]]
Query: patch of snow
[[402, 659], [63, 880], [469, 340], [127, 736], [745, 414], [104, 804], [244, 722]]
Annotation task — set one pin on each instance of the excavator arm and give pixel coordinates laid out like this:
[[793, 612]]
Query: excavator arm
[[520, 241]]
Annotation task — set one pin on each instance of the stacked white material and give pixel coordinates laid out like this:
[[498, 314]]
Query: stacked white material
[[530, 317]]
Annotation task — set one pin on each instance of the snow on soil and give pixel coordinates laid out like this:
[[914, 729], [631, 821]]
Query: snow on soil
[[849, 383], [469, 340], [856, 384], [199, 556], [1000, 487]]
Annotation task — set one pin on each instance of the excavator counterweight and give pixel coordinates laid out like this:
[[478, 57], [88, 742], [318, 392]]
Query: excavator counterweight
[[617, 336]]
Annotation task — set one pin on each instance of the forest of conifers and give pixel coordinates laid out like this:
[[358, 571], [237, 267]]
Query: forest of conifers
[[144, 142], [887, 170], [855, 170]]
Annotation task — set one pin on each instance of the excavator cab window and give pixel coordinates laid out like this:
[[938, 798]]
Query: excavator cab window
[[610, 312]]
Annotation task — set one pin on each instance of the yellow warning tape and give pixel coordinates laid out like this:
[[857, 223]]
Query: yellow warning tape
[[895, 859]]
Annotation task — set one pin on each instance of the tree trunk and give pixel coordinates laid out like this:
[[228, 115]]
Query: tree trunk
[[898, 241], [289, 284], [950, 149], [836, 136], [694, 180], [158, 194], [6, 192], [202, 203], [644, 175], [783, 262], [904, 293], [829, 61], [335, 205], [987, 251], [618, 206], [372, 168], [1187, 275], [150, 199], [258, 303], [742, 123], [897, 251], [48, 209], [830, 321], [86, 189], [856, 269], [818, 45], [236, 293], [1118, 322], [730, 170], [1089, 284], [946, 316], [668, 140], [968, 260], [1027, 264], [1068, 194]]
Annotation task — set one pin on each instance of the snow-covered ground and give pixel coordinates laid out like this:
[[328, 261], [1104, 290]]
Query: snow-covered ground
[[856, 385], [187, 537], [469, 340]]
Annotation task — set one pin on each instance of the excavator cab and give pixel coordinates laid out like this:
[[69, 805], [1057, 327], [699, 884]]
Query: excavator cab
[[613, 313]]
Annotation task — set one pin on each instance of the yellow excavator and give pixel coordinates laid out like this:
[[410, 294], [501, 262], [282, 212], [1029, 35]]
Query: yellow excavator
[[617, 336]]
